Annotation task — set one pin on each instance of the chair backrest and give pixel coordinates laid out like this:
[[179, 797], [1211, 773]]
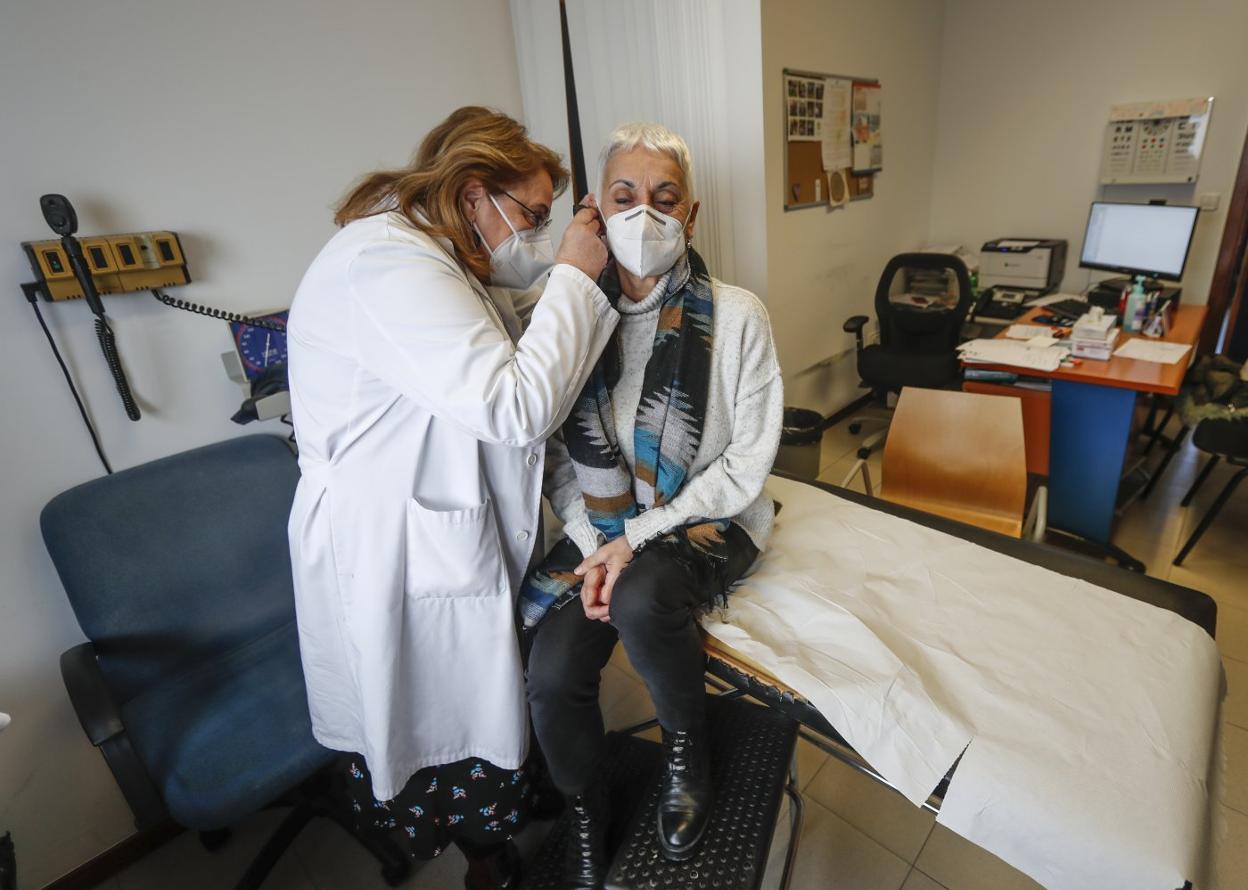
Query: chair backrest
[[958, 455], [174, 561], [922, 300]]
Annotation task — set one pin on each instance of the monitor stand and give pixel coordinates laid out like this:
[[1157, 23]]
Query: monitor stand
[[1108, 293]]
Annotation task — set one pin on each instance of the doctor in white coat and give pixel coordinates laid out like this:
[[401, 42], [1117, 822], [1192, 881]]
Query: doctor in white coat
[[423, 386]]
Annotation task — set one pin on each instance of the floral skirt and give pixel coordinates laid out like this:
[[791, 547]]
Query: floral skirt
[[470, 802]]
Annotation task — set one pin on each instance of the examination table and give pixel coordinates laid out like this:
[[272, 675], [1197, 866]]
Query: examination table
[[927, 562], [1018, 791]]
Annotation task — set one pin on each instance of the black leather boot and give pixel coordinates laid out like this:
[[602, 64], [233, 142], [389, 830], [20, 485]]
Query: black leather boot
[[687, 795], [585, 860]]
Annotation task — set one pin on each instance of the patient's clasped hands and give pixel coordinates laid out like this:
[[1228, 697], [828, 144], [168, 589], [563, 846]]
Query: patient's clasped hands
[[601, 570]]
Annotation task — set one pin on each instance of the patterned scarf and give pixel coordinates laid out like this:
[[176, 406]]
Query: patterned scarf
[[668, 430]]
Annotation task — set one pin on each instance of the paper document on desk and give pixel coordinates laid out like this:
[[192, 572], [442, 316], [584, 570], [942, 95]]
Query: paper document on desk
[[1153, 350], [1027, 331], [1013, 353]]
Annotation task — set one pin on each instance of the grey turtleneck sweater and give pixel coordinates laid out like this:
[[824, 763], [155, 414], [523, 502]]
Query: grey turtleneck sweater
[[740, 435]]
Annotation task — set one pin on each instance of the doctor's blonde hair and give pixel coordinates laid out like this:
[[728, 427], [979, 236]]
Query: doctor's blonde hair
[[472, 143]]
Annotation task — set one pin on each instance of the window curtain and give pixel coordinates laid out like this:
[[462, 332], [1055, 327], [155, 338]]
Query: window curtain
[[660, 60], [539, 62], [694, 66]]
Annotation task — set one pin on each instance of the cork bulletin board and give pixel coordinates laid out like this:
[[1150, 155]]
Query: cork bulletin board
[[818, 147]]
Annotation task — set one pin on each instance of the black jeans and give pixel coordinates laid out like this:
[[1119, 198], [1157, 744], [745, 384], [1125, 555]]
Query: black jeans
[[653, 611]]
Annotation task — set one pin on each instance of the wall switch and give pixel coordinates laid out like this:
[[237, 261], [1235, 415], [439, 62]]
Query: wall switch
[[1208, 201]]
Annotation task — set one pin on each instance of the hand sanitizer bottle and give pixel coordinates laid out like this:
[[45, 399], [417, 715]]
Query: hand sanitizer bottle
[[1137, 303]]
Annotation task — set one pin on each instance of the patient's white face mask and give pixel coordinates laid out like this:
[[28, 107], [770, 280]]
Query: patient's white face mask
[[522, 258], [644, 241]]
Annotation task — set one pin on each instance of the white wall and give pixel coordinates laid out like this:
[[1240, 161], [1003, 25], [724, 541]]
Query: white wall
[[236, 124], [1025, 92], [823, 266]]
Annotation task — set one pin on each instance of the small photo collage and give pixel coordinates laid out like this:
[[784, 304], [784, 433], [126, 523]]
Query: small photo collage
[[805, 108]]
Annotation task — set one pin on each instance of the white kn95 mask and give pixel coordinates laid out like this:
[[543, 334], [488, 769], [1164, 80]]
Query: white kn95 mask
[[522, 258], [644, 241]]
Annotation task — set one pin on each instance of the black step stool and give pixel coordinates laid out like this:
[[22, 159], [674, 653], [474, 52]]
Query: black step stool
[[752, 751]]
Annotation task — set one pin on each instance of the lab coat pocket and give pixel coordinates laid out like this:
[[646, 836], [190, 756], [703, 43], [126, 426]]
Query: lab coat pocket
[[453, 553]]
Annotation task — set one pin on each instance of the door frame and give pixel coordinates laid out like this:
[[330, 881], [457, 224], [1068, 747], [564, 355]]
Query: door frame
[[1230, 274]]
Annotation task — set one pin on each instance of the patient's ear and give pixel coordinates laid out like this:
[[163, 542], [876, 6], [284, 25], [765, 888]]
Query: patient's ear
[[693, 218]]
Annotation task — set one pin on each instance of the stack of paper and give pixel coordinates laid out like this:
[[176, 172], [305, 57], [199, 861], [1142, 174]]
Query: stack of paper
[[1012, 352]]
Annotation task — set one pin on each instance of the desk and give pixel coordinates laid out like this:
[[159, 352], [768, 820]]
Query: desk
[[1090, 414]]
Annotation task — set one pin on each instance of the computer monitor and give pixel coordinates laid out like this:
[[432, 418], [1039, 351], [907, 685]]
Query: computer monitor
[[1139, 239]]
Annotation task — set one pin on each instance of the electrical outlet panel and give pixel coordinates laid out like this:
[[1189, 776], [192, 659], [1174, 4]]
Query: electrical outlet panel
[[119, 264]]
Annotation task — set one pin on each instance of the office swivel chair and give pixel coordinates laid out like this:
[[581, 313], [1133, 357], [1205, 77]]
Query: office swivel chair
[[921, 301], [1220, 438], [190, 682], [1215, 385]]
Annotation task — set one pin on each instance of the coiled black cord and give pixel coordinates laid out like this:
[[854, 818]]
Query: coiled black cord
[[108, 345], [221, 314]]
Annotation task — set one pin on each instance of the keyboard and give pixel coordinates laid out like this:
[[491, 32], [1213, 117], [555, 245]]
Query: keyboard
[[1067, 308]]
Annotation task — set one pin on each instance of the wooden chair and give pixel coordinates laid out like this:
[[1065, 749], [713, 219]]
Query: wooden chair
[[958, 455]]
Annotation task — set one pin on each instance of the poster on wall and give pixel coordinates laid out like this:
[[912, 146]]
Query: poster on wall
[[836, 147], [804, 97], [868, 152]]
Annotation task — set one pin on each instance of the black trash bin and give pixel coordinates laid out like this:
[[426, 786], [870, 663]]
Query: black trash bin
[[800, 442]]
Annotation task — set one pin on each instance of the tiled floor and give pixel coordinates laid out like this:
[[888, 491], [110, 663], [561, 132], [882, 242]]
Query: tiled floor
[[857, 835]]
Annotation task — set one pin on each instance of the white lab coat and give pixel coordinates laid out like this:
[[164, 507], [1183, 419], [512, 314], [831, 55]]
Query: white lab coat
[[421, 412]]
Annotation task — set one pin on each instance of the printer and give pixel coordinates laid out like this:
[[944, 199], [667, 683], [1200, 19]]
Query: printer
[[1026, 264]]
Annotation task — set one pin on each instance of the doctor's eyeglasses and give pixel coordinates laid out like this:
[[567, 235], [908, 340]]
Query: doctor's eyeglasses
[[539, 221]]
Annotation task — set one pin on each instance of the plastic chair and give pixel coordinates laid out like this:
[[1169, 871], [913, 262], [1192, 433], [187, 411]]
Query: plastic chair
[[962, 456]]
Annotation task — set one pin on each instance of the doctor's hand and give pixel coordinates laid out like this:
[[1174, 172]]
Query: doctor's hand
[[582, 245], [612, 557]]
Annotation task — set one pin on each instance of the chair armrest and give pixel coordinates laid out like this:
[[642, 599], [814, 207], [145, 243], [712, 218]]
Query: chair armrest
[[89, 694], [101, 721], [854, 325]]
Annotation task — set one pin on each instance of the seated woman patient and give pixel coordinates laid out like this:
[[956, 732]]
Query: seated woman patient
[[659, 481]]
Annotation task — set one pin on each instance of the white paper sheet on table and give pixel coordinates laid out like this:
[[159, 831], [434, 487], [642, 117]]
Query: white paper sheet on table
[[1090, 715], [1027, 331], [1153, 350]]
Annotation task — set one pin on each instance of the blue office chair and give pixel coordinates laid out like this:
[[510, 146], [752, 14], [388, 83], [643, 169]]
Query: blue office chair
[[921, 301], [190, 683]]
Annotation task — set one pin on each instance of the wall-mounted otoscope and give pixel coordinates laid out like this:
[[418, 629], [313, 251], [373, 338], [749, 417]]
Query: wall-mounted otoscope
[[59, 214]]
